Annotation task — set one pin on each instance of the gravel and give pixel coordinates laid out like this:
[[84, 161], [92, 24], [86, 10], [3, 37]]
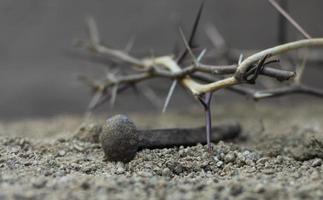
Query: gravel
[[278, 163], [230, 171]]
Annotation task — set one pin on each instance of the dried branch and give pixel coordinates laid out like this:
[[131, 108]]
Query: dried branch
[[267, 93], [167, 67], [224, 51], [200, 79], [280, 49]]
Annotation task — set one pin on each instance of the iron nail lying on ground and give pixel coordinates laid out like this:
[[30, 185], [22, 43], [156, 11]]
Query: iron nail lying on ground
[[121, 140]]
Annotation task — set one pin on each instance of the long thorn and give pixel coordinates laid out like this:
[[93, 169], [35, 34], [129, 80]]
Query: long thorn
[[188, 48], [192, 35], [95, 99], [169, 95], [215, 37], [130, 44], [208, 120], [240, 59], [151, 96], [289, 18], [200, 56], [300, 69], [114, 94], [93, 31], [206, 103]]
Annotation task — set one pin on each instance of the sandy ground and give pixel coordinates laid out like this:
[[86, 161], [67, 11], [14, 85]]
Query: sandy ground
[[278, 156]]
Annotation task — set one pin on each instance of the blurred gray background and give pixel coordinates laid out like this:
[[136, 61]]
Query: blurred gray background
[[38, 67]]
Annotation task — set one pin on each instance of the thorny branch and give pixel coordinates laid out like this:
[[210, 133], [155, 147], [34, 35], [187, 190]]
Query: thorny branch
[[200, 79], [167, 67]]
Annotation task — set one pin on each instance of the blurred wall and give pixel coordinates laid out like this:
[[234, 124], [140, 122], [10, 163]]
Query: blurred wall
[[38, 66]]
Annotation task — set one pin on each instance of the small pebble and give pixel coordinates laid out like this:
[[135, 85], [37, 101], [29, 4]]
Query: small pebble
[[316, 175], [182, 153], [176, 167], [120, 170], [251, 170], [236, 189], [230, 157], [263, 160], [219, 164], [40, 183], [61, 153], [216, 158], [268, 171], [145, 174], [166, 172], [85, 185], [317, 162], [279, 159], [260, 188], [249, 162]]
